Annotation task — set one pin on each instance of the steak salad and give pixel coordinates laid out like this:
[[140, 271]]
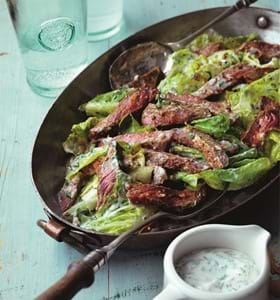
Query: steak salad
[[162, 143]]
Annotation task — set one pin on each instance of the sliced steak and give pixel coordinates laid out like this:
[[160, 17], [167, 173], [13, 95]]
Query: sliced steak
[[173, 114], [68, 193], [183, 109], [157, 140], [266, 120], [150, 79], [229, 77], [262, 50], [132, 103], [160, 140], [212, 150], [161, 196], [210, 48], [175, 162], [108, 177], [184, 99], [214, 108]]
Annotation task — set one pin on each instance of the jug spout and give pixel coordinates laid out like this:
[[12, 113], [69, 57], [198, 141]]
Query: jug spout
[[255, 241], [258, 235]]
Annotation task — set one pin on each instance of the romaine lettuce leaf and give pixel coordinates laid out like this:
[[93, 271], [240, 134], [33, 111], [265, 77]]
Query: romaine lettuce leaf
[[231, 137], [86, 200], [194, 73], [143, 174], [133, 156], [237, 178], [186, 151], [77, 141], [246, 100], [250, 153], [131, 125], [203, 40], [104, 104], [82, 160], [272, 146], [217, 125], [229, 42], [236, 41], [242, 162], [116, 220], [179, 60]]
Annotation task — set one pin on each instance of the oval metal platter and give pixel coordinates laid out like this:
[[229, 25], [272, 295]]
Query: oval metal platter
[[49, 159]]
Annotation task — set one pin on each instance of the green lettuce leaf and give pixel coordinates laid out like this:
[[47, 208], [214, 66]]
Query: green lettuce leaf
[[82, 160], [104, 104], [229, 42], [216, 125], [203, 40], [86, 200], [272, 146], [131, 125], [237, 178], [191, 74], [179, 60], [132, 155], [186, 151], [250, 153], [233, 139], [116, 220], [246, 100], [242, 162], [77, 141], [236, 41], [143, 174]]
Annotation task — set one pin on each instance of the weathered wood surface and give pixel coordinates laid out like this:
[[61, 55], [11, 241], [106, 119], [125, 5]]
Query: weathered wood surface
[[29, 260]]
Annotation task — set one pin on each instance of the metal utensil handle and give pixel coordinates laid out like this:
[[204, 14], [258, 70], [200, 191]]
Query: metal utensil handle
[[231, 10], [80, 274]]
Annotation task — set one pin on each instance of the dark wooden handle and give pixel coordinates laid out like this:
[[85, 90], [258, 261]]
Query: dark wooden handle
[[244, 3], [79, 275]]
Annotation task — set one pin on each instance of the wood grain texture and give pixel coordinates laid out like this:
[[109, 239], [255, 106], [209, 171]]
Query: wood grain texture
[[29, 260]]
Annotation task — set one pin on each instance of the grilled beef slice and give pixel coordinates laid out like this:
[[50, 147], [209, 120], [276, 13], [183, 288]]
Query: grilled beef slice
[[108, 177], [68, 193], [132, 103], [210, 48], [160, 140], [266, 120], [157, 140], [214, 108], [183, 109], [262, 50], [210, 148], [175, 162], [161, 196], [173, 114], [230, 77], [149, 79]]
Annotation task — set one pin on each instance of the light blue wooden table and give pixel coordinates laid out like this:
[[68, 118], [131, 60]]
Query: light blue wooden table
[[29, 260]]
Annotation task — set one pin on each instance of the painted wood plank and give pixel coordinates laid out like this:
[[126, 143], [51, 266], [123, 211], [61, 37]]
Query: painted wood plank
[[29, 260]]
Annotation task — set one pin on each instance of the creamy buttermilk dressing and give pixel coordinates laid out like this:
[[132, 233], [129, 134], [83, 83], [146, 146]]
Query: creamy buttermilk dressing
[[217, 270]]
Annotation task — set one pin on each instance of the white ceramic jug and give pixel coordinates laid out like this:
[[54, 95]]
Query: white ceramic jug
[[251, 240]]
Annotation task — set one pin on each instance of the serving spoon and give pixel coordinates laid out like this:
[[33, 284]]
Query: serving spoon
[[145, 56], [80, 274]]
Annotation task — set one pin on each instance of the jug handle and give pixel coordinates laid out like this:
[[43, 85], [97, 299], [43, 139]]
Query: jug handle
[[275, 269], [170, 292]]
